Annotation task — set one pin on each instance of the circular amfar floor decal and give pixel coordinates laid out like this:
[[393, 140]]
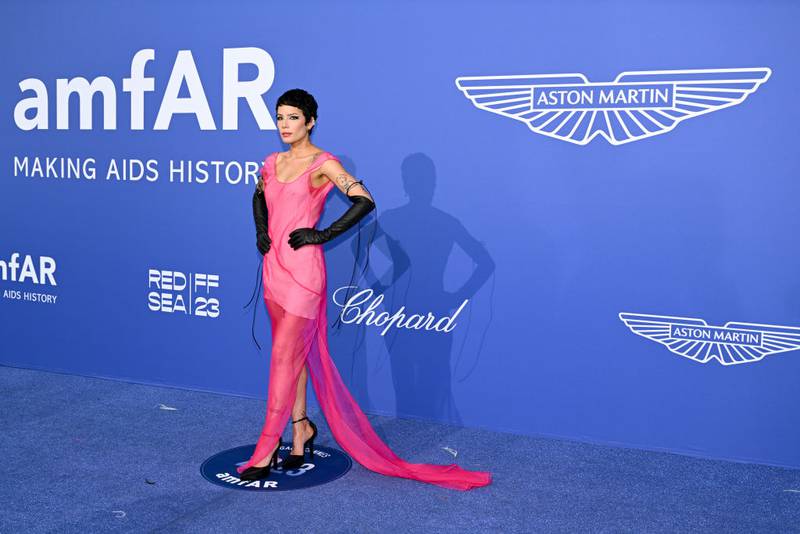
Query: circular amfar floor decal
[[327, 465]]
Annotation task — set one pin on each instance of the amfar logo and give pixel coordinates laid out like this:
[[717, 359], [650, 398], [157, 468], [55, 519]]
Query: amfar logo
[[184, 70], [634, 106], [29, 271], [326, 465], [730, 344]]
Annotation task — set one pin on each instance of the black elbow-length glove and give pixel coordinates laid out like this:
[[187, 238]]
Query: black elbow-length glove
[[263, 241], [311, 236]]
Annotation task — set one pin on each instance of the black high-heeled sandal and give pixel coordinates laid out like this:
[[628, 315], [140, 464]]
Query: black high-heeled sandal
[[296, 460], [256, 473]]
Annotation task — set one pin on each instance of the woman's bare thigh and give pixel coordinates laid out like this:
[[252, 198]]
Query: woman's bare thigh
[[285, 324], [276, 312]]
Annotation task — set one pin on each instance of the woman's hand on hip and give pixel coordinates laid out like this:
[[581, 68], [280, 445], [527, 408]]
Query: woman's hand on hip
[[307, 236]]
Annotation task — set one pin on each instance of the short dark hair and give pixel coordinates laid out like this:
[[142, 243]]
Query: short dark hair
[[299, 98]]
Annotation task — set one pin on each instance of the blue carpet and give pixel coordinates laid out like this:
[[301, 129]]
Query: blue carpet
[[78, 451]]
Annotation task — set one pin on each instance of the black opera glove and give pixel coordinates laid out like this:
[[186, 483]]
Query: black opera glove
[[263, 242], [311, 236]]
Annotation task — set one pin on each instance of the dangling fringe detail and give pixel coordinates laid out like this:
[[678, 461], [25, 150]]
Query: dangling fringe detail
[[338, 323], [254, 301]]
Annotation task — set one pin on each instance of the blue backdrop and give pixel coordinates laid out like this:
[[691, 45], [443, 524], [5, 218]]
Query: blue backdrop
[[546, 239]]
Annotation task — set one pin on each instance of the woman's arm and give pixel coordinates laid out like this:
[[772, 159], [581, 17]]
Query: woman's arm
[[356, 193], [346, 182], [260, 217]]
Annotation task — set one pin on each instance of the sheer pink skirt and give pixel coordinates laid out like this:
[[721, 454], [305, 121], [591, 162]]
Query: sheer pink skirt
[[298, 341]]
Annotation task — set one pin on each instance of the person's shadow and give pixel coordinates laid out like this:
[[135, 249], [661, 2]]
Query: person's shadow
[[417, 239]]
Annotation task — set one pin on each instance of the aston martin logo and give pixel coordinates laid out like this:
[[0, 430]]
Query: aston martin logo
[[634, 106], [730, 344]]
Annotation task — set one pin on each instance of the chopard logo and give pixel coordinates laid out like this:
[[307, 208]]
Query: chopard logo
[[354, 312], [730, 344], [634, 106]]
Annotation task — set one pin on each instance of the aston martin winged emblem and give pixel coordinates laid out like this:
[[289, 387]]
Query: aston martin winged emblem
[[730, 344], [634, 106]]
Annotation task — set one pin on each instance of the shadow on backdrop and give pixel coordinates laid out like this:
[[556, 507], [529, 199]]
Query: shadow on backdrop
[[417, 239]]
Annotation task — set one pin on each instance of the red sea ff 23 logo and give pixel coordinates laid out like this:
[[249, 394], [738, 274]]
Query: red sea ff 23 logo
[[179, 292]]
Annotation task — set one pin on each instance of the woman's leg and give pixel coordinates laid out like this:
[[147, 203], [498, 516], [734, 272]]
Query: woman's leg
[[291, 339], [300, 431], [299, 408]]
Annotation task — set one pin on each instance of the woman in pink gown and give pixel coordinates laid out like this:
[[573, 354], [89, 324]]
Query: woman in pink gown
[[295, 185]]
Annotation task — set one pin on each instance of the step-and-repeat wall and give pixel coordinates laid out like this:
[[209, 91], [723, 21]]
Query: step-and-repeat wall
[[586, 219]]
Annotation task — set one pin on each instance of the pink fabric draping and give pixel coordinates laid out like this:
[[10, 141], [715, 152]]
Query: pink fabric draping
[[295, 289]]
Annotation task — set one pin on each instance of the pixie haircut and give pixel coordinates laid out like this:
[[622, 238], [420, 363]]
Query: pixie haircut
[[299, 98]]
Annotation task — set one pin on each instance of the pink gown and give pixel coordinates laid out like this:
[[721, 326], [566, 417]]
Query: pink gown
[[296, 280]]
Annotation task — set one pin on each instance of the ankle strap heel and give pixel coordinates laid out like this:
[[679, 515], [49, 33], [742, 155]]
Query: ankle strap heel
[[296, 460]]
